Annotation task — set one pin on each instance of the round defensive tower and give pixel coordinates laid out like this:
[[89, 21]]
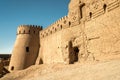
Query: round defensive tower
[[26, 47]]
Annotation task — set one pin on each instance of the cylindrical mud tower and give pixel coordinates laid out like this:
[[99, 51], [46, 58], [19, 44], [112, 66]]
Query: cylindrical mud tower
[[26, 47]]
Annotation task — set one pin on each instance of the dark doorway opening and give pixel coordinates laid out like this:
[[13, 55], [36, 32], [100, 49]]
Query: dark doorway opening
[[76, 51], [41, 61], [73, 53]]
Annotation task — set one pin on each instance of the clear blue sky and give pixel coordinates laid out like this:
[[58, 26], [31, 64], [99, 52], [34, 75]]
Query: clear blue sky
[[16, 12]]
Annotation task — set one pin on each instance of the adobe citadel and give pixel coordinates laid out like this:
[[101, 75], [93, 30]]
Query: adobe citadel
[[89, 31]]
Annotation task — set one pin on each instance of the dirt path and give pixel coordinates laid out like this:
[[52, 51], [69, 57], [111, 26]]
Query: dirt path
[[109, 70]]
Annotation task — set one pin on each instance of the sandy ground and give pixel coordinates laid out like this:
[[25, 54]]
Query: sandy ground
[[104, 70]]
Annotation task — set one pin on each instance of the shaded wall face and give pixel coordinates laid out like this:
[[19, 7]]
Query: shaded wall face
[[55, 48], [103, 34], [50, 49]]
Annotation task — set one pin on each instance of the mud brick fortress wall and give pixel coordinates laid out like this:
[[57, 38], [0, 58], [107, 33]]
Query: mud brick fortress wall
[[90, 30], [26, 47]]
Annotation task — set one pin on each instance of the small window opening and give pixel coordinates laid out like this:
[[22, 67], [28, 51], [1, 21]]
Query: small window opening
[[104, 7], [19, 32], [29, 31], [34, 32], [69, 23], [24, 31], [27, 49], [12, 68], [61, 26], [90, 14]]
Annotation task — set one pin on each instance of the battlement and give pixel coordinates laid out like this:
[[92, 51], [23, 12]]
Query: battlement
[[29, 29], [93, 10], [102, 8], [56, 26]]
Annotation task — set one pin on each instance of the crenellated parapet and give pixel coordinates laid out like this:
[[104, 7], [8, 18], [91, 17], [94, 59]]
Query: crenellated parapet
[[86, 10], [95, 8], [60, 24], [79, 11], [28, 29]]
